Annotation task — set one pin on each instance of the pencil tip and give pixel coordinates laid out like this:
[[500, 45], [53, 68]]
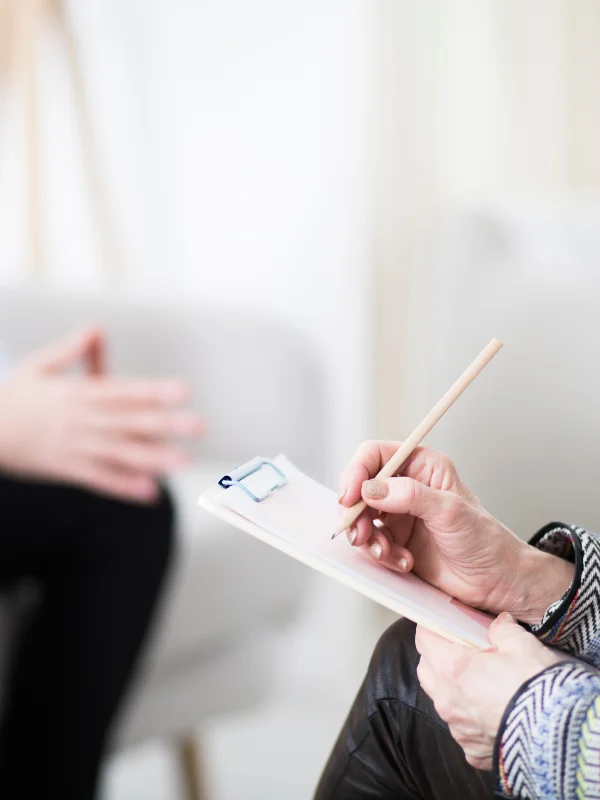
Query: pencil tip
[[333, 535]]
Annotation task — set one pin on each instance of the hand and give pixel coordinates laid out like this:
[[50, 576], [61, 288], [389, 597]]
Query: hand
[[471, 689], [107, 433], [434, 525]]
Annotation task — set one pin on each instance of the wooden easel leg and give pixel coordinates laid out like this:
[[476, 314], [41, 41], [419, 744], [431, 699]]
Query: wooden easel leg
[[27, 28], [105, 218], [189, 756], [8, 33]]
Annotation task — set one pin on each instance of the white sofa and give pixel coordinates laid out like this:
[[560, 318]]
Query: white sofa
[[260, 390]]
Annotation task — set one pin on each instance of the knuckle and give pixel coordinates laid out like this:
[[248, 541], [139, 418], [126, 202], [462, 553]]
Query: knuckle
[[346, 475], [172, 423], [455, 669], [134, 455], [62, 434], [419, 641], [405, 490], [365, 449], [457, 734], [441, 459], [420, 671], [477, 761], [154, 422], [443, 706], [455, 509], [447, 464]]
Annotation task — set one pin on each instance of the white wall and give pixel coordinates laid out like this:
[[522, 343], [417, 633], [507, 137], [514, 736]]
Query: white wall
[[488, 130], [472, 100]]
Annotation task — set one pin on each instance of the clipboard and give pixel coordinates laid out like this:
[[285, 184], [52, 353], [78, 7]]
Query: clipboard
[[275, 502]]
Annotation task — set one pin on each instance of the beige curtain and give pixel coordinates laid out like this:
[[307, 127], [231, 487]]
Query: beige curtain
[[25, 28], [471, 98]]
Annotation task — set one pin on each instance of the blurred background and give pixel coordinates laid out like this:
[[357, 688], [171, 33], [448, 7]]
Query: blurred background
[[319, 211]]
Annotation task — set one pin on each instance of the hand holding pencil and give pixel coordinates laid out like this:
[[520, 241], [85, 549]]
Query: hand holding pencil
[[434, 526], [428, 521], [437, 412]]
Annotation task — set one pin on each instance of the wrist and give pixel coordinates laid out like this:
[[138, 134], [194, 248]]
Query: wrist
[[540, 580]]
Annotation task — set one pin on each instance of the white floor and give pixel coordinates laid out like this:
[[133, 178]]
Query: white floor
[[273, 753], [277, 751]]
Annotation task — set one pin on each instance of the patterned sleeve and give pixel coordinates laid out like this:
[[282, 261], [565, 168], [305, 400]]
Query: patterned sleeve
[[573, 622], [548, 747]]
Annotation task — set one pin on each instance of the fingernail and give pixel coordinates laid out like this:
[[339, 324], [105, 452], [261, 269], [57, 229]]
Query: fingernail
[[375, 550], [505, 617], [341, 495], [351, 535], [375, 490], [403, 564]]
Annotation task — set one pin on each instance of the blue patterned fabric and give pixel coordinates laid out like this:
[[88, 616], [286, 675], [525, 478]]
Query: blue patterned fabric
[[548, 746], [573, 623]]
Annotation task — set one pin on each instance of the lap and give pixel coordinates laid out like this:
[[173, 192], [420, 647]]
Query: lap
[[394, 744], [45, 523]]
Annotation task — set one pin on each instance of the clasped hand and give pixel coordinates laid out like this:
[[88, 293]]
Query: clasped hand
[[471, 688], [114, 435]]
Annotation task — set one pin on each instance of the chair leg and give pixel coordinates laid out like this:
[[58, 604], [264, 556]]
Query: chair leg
[[190, 763]]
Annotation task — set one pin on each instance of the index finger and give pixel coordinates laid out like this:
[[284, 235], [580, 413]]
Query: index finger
[[425, 465], [366, 462], [440, 653], [95, 358]]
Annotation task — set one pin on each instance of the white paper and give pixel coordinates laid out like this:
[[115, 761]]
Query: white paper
[[301, 517]]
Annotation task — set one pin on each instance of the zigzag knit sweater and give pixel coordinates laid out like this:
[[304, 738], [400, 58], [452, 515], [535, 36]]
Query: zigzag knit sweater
[[548, 746]]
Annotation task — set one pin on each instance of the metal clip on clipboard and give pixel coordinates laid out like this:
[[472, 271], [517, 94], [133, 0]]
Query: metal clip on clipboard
[[236, 477]]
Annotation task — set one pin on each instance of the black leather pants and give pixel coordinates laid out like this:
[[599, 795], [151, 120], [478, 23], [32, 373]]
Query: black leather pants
[[393, 745]]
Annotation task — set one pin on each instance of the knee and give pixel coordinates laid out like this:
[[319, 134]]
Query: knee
[[142, 534], [396, 648], [155, 539], [160, 513], [392, 672], [159, 521]]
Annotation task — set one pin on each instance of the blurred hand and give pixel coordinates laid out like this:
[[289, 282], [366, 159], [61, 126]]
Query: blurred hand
[[471, 689], [434, 525], [110, 434]]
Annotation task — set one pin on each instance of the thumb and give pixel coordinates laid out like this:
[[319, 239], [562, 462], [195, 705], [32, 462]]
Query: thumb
[[406, 496], [85, 346], [506, 634]]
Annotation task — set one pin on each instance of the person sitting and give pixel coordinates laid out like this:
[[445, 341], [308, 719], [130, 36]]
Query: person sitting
[[84, 517], [436, 720]]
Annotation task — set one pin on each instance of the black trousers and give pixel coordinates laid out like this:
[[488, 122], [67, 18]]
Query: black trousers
[[393, 745], [99, 565]]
